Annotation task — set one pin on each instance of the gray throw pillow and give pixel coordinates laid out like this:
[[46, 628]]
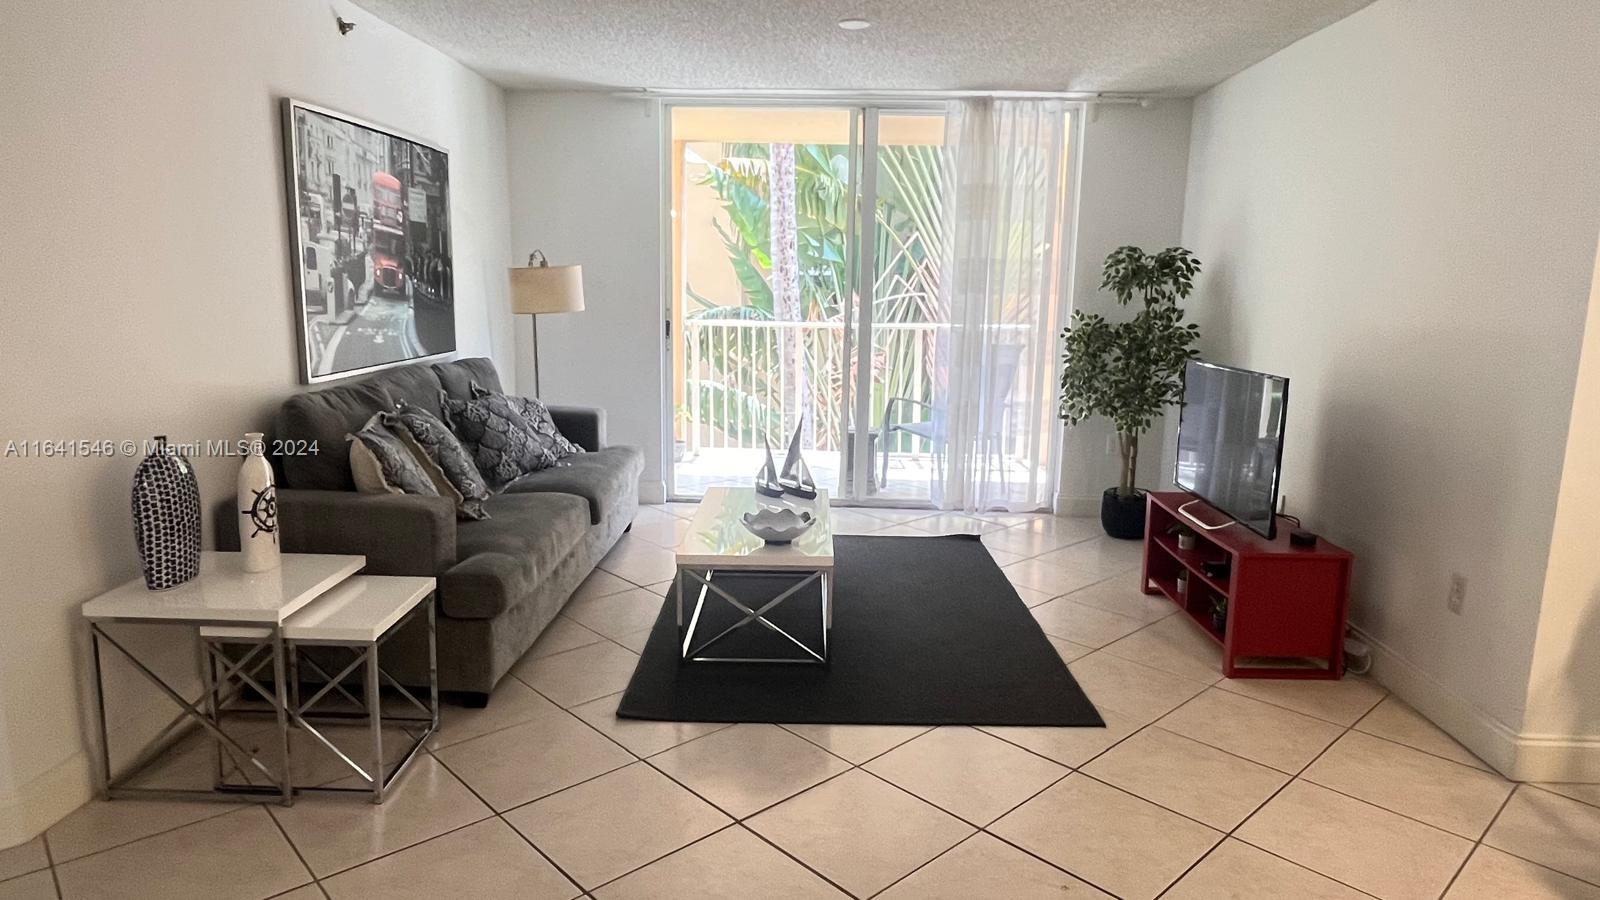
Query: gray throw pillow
[[396, 471], [445, 450], [538, 415], [503, 442]]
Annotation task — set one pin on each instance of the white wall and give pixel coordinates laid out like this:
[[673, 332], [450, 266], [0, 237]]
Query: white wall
[[1132, 192], [586, 189], [1561, 731], [145, 273], [1399, 213]]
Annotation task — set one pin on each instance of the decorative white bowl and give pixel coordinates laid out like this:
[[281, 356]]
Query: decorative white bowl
[[778, 526]]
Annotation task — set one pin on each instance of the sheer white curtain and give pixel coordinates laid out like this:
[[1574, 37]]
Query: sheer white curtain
[[995, 365]]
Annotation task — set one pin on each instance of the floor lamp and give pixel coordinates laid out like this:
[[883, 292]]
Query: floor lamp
[[541, 288]]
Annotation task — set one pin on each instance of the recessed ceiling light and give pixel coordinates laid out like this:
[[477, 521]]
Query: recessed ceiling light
[[854, 24]]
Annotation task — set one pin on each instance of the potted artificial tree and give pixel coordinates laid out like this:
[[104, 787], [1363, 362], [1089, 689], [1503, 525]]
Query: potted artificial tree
[[1130, 372]]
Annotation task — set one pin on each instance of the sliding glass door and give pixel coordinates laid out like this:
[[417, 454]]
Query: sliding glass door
[[808, 259], [762, 206]]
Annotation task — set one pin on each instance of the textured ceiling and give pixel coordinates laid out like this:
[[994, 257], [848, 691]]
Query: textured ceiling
[[1170, 46]]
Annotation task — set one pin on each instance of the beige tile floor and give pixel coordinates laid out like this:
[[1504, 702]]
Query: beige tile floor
[[1199, 787]]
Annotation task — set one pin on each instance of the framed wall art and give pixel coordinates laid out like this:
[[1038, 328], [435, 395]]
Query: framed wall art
[[370, 212]]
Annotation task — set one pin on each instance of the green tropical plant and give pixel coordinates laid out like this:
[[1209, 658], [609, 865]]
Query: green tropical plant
[[737, 390], [1130, 372]]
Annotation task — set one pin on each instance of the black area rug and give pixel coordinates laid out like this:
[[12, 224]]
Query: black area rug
[[927, 631]]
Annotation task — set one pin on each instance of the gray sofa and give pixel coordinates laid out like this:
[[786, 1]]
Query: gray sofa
[[502, 579]]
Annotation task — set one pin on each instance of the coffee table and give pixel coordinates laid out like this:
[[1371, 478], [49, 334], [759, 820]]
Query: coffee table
[[719, 555]]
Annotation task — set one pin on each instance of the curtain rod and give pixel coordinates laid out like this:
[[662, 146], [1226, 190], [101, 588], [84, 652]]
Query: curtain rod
[[830, 94]]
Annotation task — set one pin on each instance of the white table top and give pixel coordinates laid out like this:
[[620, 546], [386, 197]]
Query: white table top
[[359, 609], [717, 537], [224, 593], [354, 611]]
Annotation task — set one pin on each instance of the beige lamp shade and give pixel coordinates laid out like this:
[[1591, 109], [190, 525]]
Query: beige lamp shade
[[537, 290]]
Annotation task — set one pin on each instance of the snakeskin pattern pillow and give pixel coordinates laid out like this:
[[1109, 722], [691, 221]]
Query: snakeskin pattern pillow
[[502, 441], [444, 449], [538, 415], [397, 470]]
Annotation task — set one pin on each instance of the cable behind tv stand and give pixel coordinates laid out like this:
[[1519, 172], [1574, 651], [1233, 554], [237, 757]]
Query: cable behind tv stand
[[1286, 606]]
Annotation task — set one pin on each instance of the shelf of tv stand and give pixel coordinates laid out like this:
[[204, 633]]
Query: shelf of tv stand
[[1191, 560], [1286, 605], [1169, 589]]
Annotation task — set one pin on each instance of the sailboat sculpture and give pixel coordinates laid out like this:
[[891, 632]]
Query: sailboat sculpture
[[796, 476], [767, 483]]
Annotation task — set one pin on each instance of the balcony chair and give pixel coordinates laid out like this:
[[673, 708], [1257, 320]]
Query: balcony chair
[[1003, 363]]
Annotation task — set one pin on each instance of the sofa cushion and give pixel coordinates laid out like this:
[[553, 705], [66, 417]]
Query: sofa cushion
[[437, 443], [326, 416], [503, 443], [555, 444], [457, 376], [502, 558], [606, 478], [382, 463], [417, 385]]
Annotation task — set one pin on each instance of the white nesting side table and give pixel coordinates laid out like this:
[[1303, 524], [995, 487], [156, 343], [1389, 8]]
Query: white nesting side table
[[223, 595], [359, 615]]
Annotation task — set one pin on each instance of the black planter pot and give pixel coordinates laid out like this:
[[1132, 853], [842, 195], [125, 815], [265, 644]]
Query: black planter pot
[[1122, 517]]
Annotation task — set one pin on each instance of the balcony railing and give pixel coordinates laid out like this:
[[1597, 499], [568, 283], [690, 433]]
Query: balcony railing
[[742, 388]]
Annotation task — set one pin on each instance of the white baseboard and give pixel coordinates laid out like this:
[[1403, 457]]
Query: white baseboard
[[1516, 755], [1558, 758], [1077, 506], [652, 491], [45, 800], [1491, 740]]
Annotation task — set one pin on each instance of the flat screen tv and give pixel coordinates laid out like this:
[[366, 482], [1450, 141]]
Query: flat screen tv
[[1230, 441]]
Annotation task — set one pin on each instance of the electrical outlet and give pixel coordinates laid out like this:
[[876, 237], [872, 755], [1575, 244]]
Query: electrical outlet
[[1458, 593]]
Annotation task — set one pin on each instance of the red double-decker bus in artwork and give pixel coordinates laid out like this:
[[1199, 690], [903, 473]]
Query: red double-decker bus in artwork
[[388, 248]]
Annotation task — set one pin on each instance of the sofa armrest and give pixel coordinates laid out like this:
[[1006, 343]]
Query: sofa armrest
[[400, 534], [582, 425]]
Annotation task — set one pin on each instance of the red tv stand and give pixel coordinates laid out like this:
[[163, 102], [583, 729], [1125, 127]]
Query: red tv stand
[[1285, 605]]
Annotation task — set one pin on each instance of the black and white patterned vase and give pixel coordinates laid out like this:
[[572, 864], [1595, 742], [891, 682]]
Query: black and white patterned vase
[[166, 517]]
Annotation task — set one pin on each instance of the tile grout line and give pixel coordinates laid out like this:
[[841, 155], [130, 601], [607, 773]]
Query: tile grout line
[[50, 861], [984, 829], [1473, 850], [496, 814], [742, 822], [1540, 786], [863, 763], [938, 856], [1430, 753], [1482, 842], [769, 842], [707, 836], [223, 806], [1231, 833], [293, 849], [388, 853], [739, 821]]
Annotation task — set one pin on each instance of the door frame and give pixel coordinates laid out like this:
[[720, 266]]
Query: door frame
[[866, 112]]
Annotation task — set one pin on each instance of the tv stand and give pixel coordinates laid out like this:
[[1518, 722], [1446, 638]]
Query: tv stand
[[1285, 606]]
